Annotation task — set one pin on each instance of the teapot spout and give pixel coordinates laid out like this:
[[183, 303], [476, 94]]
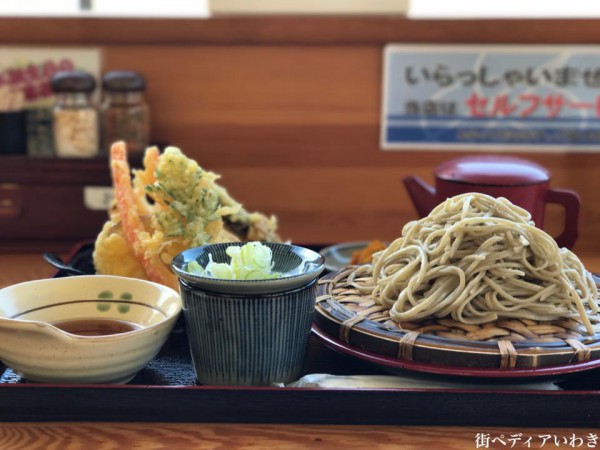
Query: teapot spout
[[421, 194]]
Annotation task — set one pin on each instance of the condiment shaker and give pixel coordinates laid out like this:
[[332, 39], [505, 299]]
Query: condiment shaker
[[75, 119], [125, 113]]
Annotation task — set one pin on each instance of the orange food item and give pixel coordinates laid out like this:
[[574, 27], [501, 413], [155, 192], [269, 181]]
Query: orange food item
[[365, 256], [168, 206]]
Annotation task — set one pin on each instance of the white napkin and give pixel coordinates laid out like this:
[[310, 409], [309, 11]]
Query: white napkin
[[394, 382]]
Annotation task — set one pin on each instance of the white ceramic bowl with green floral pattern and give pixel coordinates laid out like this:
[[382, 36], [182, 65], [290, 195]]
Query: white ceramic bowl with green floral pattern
[[35, 314]]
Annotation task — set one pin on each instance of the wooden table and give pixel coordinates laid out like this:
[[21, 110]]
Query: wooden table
[[76, 435]]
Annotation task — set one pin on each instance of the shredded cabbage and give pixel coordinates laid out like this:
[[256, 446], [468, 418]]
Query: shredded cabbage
[[251, 261]]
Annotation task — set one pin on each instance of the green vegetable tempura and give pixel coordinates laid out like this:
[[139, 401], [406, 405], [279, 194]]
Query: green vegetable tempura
[[251, 261]]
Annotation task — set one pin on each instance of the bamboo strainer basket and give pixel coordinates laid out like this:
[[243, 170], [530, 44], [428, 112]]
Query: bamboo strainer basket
[[344, 313]]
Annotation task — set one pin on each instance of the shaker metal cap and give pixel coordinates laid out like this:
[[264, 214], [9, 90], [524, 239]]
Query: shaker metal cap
[[73, 81], [123, 81]]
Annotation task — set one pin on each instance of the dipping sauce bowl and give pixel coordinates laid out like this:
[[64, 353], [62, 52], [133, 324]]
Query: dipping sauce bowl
[[84, 329], [249, 332]]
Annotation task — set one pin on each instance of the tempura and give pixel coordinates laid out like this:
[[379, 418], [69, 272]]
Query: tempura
[[169, 206]]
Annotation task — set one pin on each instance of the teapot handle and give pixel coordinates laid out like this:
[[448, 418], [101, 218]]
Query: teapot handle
[[571, 202]]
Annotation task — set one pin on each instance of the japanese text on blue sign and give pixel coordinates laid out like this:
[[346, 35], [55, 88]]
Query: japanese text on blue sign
[[491, 97]]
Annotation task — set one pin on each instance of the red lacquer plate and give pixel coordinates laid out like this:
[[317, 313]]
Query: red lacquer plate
[[398, 365]]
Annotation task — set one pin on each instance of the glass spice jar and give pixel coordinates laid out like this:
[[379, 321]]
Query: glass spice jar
[[75, 119], [125, 113]]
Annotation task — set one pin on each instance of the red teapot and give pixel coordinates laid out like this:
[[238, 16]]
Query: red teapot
[[523, 182]]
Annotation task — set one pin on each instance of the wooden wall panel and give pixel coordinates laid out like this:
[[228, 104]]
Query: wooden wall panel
[[287, 109], [250, 86], [348, 30], [294, 130]]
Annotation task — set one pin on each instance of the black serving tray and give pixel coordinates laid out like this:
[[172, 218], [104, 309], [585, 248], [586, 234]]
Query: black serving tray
[[167, 391]]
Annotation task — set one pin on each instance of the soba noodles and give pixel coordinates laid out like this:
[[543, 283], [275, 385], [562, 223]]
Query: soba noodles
[[475, 259]]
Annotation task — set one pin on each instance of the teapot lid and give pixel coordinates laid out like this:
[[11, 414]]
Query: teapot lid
[[492, 170]]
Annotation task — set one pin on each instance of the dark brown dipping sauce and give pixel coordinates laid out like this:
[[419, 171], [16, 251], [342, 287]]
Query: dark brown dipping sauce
[[96, 327]]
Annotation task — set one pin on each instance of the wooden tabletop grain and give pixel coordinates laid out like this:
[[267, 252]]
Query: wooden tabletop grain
[[128, 435]]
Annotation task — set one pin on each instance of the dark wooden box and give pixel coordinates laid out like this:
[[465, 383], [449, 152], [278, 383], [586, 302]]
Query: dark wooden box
[[43, 205]]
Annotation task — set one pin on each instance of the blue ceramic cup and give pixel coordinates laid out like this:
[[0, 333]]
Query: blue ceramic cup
[[249, 332]]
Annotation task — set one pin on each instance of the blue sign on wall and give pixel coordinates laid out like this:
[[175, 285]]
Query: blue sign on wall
[[491, 97]]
